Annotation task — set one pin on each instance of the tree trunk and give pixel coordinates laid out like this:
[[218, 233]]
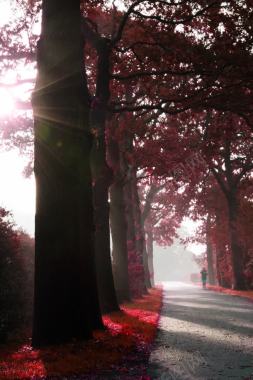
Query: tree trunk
[[134, 264], [210, 265], [209, 254], [119, 239], [150, 255], [140, 235], [65, 298], [135, 255], [107, 293], [102, 177], [236, 249], [118, 221], [148, 283], [222, 265]]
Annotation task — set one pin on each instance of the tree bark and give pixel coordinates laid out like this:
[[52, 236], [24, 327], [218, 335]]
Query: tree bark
[[236, 249], [140, 235], [153, 190], [222, 264], [107, 294], [135, 254], [65, 298], [118, 221], [221, 267], [210, 266], [150, 242], [119, 239], [209, 254], [102, 178]]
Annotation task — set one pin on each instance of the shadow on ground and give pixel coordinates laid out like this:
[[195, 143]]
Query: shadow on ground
[[203, 335]]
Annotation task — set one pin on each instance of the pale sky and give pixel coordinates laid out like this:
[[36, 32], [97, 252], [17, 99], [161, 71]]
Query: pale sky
[[191, 227], [17, 194]]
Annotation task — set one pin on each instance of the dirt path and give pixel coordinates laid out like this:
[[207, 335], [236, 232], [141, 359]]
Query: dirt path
[[203, 335]]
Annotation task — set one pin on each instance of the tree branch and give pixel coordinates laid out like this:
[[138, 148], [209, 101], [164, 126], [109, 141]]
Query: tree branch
[[182, 21], [89, 34], [154, 73], [124, 20], [220, 181]]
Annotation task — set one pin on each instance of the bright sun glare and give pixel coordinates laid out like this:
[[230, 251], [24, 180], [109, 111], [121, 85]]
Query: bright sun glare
[[7, 103], [17, 194]]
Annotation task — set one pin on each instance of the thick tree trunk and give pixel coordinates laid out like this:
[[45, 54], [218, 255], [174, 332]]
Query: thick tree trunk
[[148, 283], [119, 239], [153, 190], [222, 264], [219, 276], [107, 293], [118, 221], [135, 254], [150, 255], [140, 236], [209, 254], [102, 177], [236, 249], [210, 264], [134, 262], [65, 300]]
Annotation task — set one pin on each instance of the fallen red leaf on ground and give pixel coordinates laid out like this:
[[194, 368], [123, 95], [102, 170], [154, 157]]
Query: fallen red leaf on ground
[[239, 293], [128, 332]]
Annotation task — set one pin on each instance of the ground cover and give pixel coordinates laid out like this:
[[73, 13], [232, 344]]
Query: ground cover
[[124, 345]]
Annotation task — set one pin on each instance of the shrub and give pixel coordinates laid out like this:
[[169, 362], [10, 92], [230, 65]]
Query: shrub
[[16, 277]]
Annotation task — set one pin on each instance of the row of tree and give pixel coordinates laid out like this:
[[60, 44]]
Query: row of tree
[[146, 106], [212, 185]]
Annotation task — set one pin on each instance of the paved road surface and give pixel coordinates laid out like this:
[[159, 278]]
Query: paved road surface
[[203, 335]]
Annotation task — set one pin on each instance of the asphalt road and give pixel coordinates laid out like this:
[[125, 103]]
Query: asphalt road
[[203, 335]]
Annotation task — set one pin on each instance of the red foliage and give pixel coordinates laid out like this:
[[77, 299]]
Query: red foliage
[[238, 293], [127, 332]]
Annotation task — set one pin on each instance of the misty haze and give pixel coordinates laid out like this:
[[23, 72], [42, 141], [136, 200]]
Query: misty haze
[[174, 263]]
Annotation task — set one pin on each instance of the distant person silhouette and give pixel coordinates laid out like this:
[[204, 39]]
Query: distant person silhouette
[[203, 277]]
